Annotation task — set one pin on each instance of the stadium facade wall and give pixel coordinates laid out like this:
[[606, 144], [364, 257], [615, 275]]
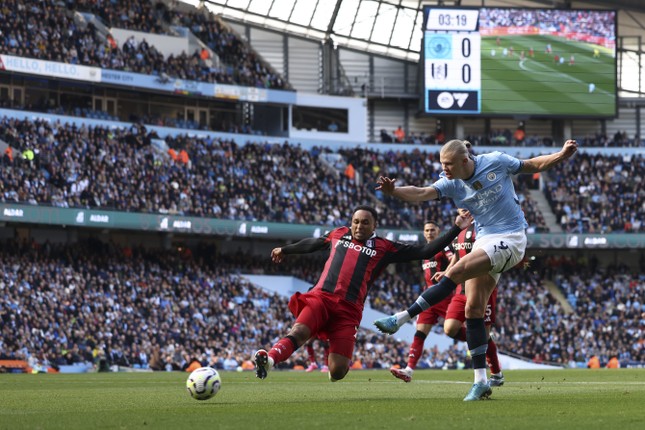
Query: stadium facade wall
[[356, 111], [271, 45], [304, 65], [358, 69], [395, 83], [517, 151]]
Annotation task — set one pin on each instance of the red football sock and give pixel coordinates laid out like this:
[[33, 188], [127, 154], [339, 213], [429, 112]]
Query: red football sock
[[491, 357], [416, 350], [282, 350], [310, 353]]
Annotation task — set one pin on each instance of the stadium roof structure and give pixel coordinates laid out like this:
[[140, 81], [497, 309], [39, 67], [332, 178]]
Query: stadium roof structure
[[393, 27]]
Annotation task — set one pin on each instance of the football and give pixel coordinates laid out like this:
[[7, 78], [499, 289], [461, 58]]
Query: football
[[203, 383]]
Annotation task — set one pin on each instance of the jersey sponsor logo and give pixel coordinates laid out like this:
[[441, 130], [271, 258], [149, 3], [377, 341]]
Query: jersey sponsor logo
[[488, 197], [429, 265], [466, 245], [491, 176], [356, 247]]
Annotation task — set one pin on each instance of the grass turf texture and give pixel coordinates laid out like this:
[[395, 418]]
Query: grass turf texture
[[541, 399], [538, 85]]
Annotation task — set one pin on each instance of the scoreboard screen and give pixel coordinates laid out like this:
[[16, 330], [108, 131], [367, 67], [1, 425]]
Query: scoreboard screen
[[519, 62]]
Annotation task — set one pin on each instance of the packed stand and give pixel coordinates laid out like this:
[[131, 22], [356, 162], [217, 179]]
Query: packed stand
[[240, 60], [422, 168], [507, 138], [598, 193], [105, 306], [119, 168], [46, 30], [241, 63], [608, 317], [590, 22]]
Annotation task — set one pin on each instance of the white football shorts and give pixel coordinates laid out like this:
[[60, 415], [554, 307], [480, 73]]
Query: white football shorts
[[505, 250]]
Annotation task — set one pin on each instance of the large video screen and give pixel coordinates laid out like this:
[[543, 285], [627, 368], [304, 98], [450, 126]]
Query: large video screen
[[520, 62]]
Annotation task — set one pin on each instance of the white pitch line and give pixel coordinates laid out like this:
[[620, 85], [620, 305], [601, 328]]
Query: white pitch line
[[549, 71], [541, 382], [563, 383]]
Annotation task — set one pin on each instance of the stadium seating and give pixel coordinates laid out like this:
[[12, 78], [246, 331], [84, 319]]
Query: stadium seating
[[598, 193], [608, 201], [91, 301], [92, 304], [48, 30]]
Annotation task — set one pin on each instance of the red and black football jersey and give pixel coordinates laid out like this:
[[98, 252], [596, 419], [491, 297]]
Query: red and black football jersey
[[437, 263], [353, 266], [462, 245]]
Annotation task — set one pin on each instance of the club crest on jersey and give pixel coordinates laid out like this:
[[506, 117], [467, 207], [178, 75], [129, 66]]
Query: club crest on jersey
[[491, 176], [469, 234], [477, 185], [369, 243]]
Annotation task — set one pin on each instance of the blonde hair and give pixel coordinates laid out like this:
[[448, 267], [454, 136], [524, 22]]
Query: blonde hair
[[456, 147]]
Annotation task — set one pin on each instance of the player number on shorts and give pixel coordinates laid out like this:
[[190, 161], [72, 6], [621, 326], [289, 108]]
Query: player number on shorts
[[501, 246]]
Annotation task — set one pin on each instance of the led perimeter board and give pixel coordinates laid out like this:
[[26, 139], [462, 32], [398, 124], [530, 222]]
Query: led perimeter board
[[519, 62]]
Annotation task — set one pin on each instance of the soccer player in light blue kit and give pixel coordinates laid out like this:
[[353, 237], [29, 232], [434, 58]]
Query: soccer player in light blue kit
[[483, 185]]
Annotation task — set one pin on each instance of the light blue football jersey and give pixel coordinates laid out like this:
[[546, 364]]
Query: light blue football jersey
[[488, 194]]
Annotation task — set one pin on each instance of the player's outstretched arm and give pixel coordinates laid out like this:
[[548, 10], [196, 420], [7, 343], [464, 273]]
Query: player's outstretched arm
[[419, 252], [408, 193], [462, 221], [545, 162], [303, 246]]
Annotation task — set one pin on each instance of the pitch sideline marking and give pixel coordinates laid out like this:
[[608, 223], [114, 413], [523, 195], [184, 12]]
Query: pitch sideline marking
[[539, 382], [527, 69]]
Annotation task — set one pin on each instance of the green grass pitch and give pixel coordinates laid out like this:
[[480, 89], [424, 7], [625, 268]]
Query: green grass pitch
[[539, 85], [537, 399]]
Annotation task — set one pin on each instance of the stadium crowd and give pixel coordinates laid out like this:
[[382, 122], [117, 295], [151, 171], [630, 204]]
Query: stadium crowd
[[124, 169], [47, 30], [121, 169], [99, 303], [506, 137], [587, 22], [96, 303], [599, 194], [608, 317]]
